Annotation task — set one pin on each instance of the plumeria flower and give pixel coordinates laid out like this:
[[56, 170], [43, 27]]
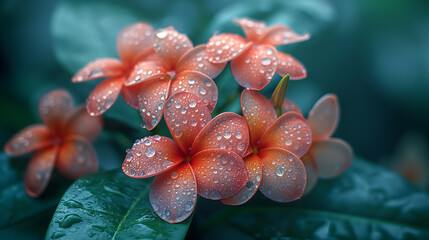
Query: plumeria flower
[[255, 60], [64, 141], [274, 166], [204, 158], [180, 68]]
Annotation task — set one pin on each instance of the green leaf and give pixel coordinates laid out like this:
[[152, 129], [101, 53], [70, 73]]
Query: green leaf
[[110, 205], [366, 202]]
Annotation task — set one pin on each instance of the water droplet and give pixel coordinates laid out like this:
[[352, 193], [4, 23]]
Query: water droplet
[[215, 195], [258, 177], [174, 175], [227, 134], [238, 135], [279, 171], [162, 34], [132, 173], [203, 91], [188, 206], [149, 152], [178, 132], [192, 103], [215, 171], [249, 185], [240, 146], [69, 220]]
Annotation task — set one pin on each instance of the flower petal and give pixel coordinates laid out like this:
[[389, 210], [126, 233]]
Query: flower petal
[[100, 68], [220, 173], [290, 106], [324, 117], [170, 46], [283, 175], [254, 170], [331, 156], [173, 194], [259, 113], [291, 132], [289, 65], [196, 59], [29, 139], [226, 131], [255, 68], [39, 171], [82, 124], [104, 96], [225, 47], [151, 99], [150, 156], [53, 108], [185, 115], [76, 158], [144, 71], [130, 95], [134, 40], [312, 175], [280, 35], [252, 29], [198, 84]]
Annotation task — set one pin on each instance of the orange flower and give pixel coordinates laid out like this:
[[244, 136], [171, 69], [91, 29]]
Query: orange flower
[[64, 141], [205, 158], [255, 60], [277, 144]]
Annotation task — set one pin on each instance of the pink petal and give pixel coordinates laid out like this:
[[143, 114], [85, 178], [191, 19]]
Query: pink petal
[[151, 156], [324, 117], [312, 175], [280, 35], [259, 113], [144, 71], [289, 65], [196, 59], [289, 106], [283, 175], [82, 124], [76, 158], [185, 115], [170, 46], [252, 29], [173, 194], [151, 99], [39, 171], [198, 84], [53, 108], [331, 156], [226, 131], [100, 68], [225, 47], [254, 170], [134, 40], [29, 139], [130, 95], [291, 132], [220, 173], [104, 96], [255, 68]]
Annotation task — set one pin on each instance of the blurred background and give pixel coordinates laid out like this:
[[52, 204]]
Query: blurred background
[[373, 54]]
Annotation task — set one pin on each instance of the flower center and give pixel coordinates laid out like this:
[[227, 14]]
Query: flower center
[[172, 74], [187, 159], [255, 150]]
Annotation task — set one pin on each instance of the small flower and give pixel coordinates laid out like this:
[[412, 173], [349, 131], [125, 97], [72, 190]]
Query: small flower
[[63, 142], [255, 60], [205, 158]]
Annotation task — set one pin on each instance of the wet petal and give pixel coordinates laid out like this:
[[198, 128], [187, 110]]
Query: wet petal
[[144, 71], [254, 170], [312, 175], [259, 113], [198, 84], [185, 115], [219, 173], [226, 131], [100, 68], [150, 156], [29, 139], [39, 171], [225, 47], [252, 29], [196, 59], [134, 40], [255, 68], [280, 35], [130, 95], [151, 99], [104, 96], [173, 194], [289, 106], [53, 108], [283, 175], [289, 65], [170, 46], [291, 132], [324, 117], [82, 124], [76, 158], [332, 157]]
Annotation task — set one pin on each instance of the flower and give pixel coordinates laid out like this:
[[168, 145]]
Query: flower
[[274, 166], [63, 141], [179, 68], [205, 158], [255, 60]]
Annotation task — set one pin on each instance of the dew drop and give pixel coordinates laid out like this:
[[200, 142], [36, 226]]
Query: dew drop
[[215, 195], [149, 152], [279, 171], [203, 91], [161, 34], [188, 206], [192, 103]]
